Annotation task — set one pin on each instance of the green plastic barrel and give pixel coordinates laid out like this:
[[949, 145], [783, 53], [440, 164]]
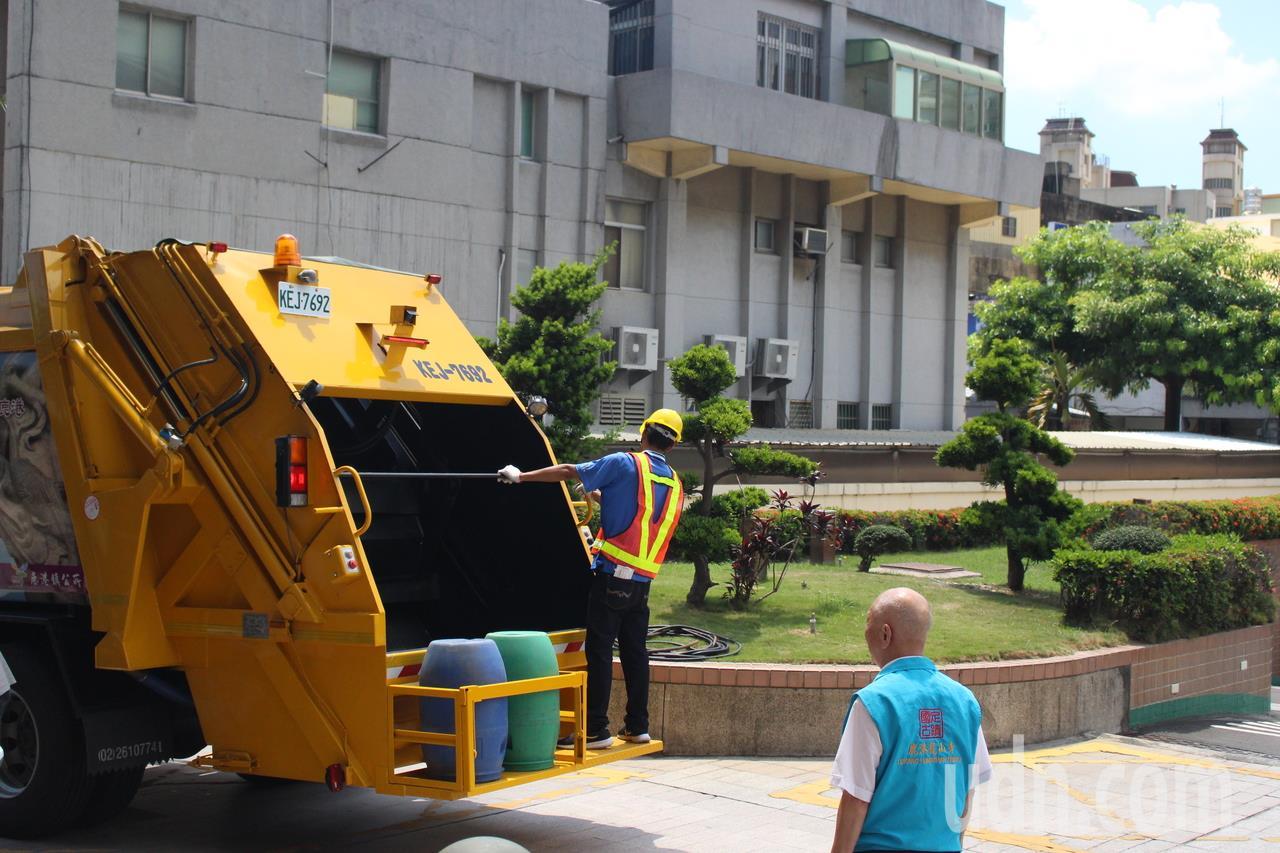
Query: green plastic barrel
[[533, 720]]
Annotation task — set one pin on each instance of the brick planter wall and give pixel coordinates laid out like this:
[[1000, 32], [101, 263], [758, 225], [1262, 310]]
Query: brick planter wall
[[1271, 550], [780, 709]]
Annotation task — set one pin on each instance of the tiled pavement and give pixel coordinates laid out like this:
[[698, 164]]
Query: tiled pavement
[[1107, 794]]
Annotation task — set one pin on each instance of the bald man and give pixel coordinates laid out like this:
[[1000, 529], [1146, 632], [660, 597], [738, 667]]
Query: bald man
[[912, 750]]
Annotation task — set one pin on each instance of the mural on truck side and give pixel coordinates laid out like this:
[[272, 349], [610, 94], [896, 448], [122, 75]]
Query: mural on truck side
[[37, 542]]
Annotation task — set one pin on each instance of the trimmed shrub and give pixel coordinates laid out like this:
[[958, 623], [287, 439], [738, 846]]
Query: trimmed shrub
[[1199, 585], [1131, 537], [930, 530], [698, 534], [879, 539], [1249, 518], [733, 506]]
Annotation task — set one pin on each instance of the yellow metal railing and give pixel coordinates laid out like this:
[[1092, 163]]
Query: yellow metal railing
[[463, 738]]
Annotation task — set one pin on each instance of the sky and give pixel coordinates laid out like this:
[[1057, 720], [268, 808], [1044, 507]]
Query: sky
[[1150, 78]]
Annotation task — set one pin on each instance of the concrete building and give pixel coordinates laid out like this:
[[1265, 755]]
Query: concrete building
[[1067, 141], [1252, 201], [1159, 201], [1073, 168], [1266, 225], [1223, 154], [792, 178]]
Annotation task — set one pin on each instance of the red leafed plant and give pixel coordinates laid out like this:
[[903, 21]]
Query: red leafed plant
[[772, 542]]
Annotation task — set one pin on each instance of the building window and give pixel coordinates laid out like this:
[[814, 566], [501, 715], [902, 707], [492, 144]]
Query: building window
[[1180, 210], [786, 56], [622, 410], [882, 416], [1008, 226], [624, 224], [991, 123], [1220, 148], [884, 252], [631, 37], [904, 92], [927, 103], [1222, 211], [764, 239], [526, 261], [528, 115], [351, 92], [949, 109], [849, 241], [151, 54], [764, 413], [846, 415], [800, 414], [1219, 183], [971, 109]]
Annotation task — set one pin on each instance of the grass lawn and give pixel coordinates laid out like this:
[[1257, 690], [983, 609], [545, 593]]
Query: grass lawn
[[971, 619]]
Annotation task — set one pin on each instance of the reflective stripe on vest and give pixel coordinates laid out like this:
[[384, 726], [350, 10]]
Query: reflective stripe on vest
[[643, 545]]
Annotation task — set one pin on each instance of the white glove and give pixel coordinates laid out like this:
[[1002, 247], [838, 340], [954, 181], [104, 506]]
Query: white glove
[[509, 475]]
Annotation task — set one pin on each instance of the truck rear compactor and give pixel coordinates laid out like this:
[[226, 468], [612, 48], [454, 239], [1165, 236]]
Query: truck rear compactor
[[190, 555]]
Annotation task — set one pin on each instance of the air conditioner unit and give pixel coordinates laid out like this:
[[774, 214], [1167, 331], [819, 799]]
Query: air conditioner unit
[[637, 348], [811, 241], [776, 358], [735, 346]]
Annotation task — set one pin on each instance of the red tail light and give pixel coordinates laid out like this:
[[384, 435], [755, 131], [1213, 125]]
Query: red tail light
[[291, 470]]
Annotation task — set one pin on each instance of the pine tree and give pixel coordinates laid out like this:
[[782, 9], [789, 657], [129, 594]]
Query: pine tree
[[553, 349]]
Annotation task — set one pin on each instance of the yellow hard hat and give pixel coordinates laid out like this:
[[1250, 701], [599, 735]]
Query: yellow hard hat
[[668, 419]]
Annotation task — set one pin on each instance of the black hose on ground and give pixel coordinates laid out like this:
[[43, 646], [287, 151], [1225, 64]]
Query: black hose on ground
[[686, 643]]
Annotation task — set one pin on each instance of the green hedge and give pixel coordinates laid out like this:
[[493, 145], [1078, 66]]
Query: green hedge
[[1248, 518], [1200, 585], [943, 530], [929, 529]]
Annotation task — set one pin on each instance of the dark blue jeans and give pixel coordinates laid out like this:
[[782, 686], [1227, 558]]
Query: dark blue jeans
[[617, 610]]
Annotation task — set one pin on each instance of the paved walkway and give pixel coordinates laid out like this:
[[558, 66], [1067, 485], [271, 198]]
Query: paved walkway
[[1106, 794]]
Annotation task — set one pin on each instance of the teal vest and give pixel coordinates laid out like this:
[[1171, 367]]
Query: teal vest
[[928, 728]]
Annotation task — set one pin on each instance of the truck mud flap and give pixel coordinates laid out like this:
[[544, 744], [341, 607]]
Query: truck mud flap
[[119, 738]]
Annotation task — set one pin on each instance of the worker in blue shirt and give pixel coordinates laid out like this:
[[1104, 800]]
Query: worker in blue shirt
[[640, 503], [912, 750]]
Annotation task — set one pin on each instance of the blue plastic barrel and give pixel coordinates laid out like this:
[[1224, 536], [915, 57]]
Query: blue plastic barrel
[[455, 663], [533, 720]]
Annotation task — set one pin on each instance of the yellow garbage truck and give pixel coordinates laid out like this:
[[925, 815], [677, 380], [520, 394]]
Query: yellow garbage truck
[[232, 519]]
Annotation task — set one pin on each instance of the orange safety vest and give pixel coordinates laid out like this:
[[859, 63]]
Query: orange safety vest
[[643, 545]]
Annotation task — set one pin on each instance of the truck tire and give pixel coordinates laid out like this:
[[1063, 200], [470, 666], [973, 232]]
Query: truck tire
[[44, 782], [111, 794]]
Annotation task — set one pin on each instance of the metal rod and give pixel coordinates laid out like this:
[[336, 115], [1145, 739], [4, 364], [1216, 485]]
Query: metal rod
[[418, 475]]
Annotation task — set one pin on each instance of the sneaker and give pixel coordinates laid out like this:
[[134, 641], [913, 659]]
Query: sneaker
[[634, 737], [600, 741], [604, 740]]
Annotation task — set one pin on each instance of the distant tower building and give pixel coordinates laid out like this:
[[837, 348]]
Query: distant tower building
[[1252, 201], [1224, 170], [1067, 140]]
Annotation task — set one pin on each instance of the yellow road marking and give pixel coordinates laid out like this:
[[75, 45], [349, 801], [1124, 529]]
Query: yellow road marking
[[1083, 798], [1039, 843], [602, 777], [809, 793], [1050, 755], [536, 798]]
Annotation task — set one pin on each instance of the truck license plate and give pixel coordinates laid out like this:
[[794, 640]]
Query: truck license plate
[[304, 300]]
